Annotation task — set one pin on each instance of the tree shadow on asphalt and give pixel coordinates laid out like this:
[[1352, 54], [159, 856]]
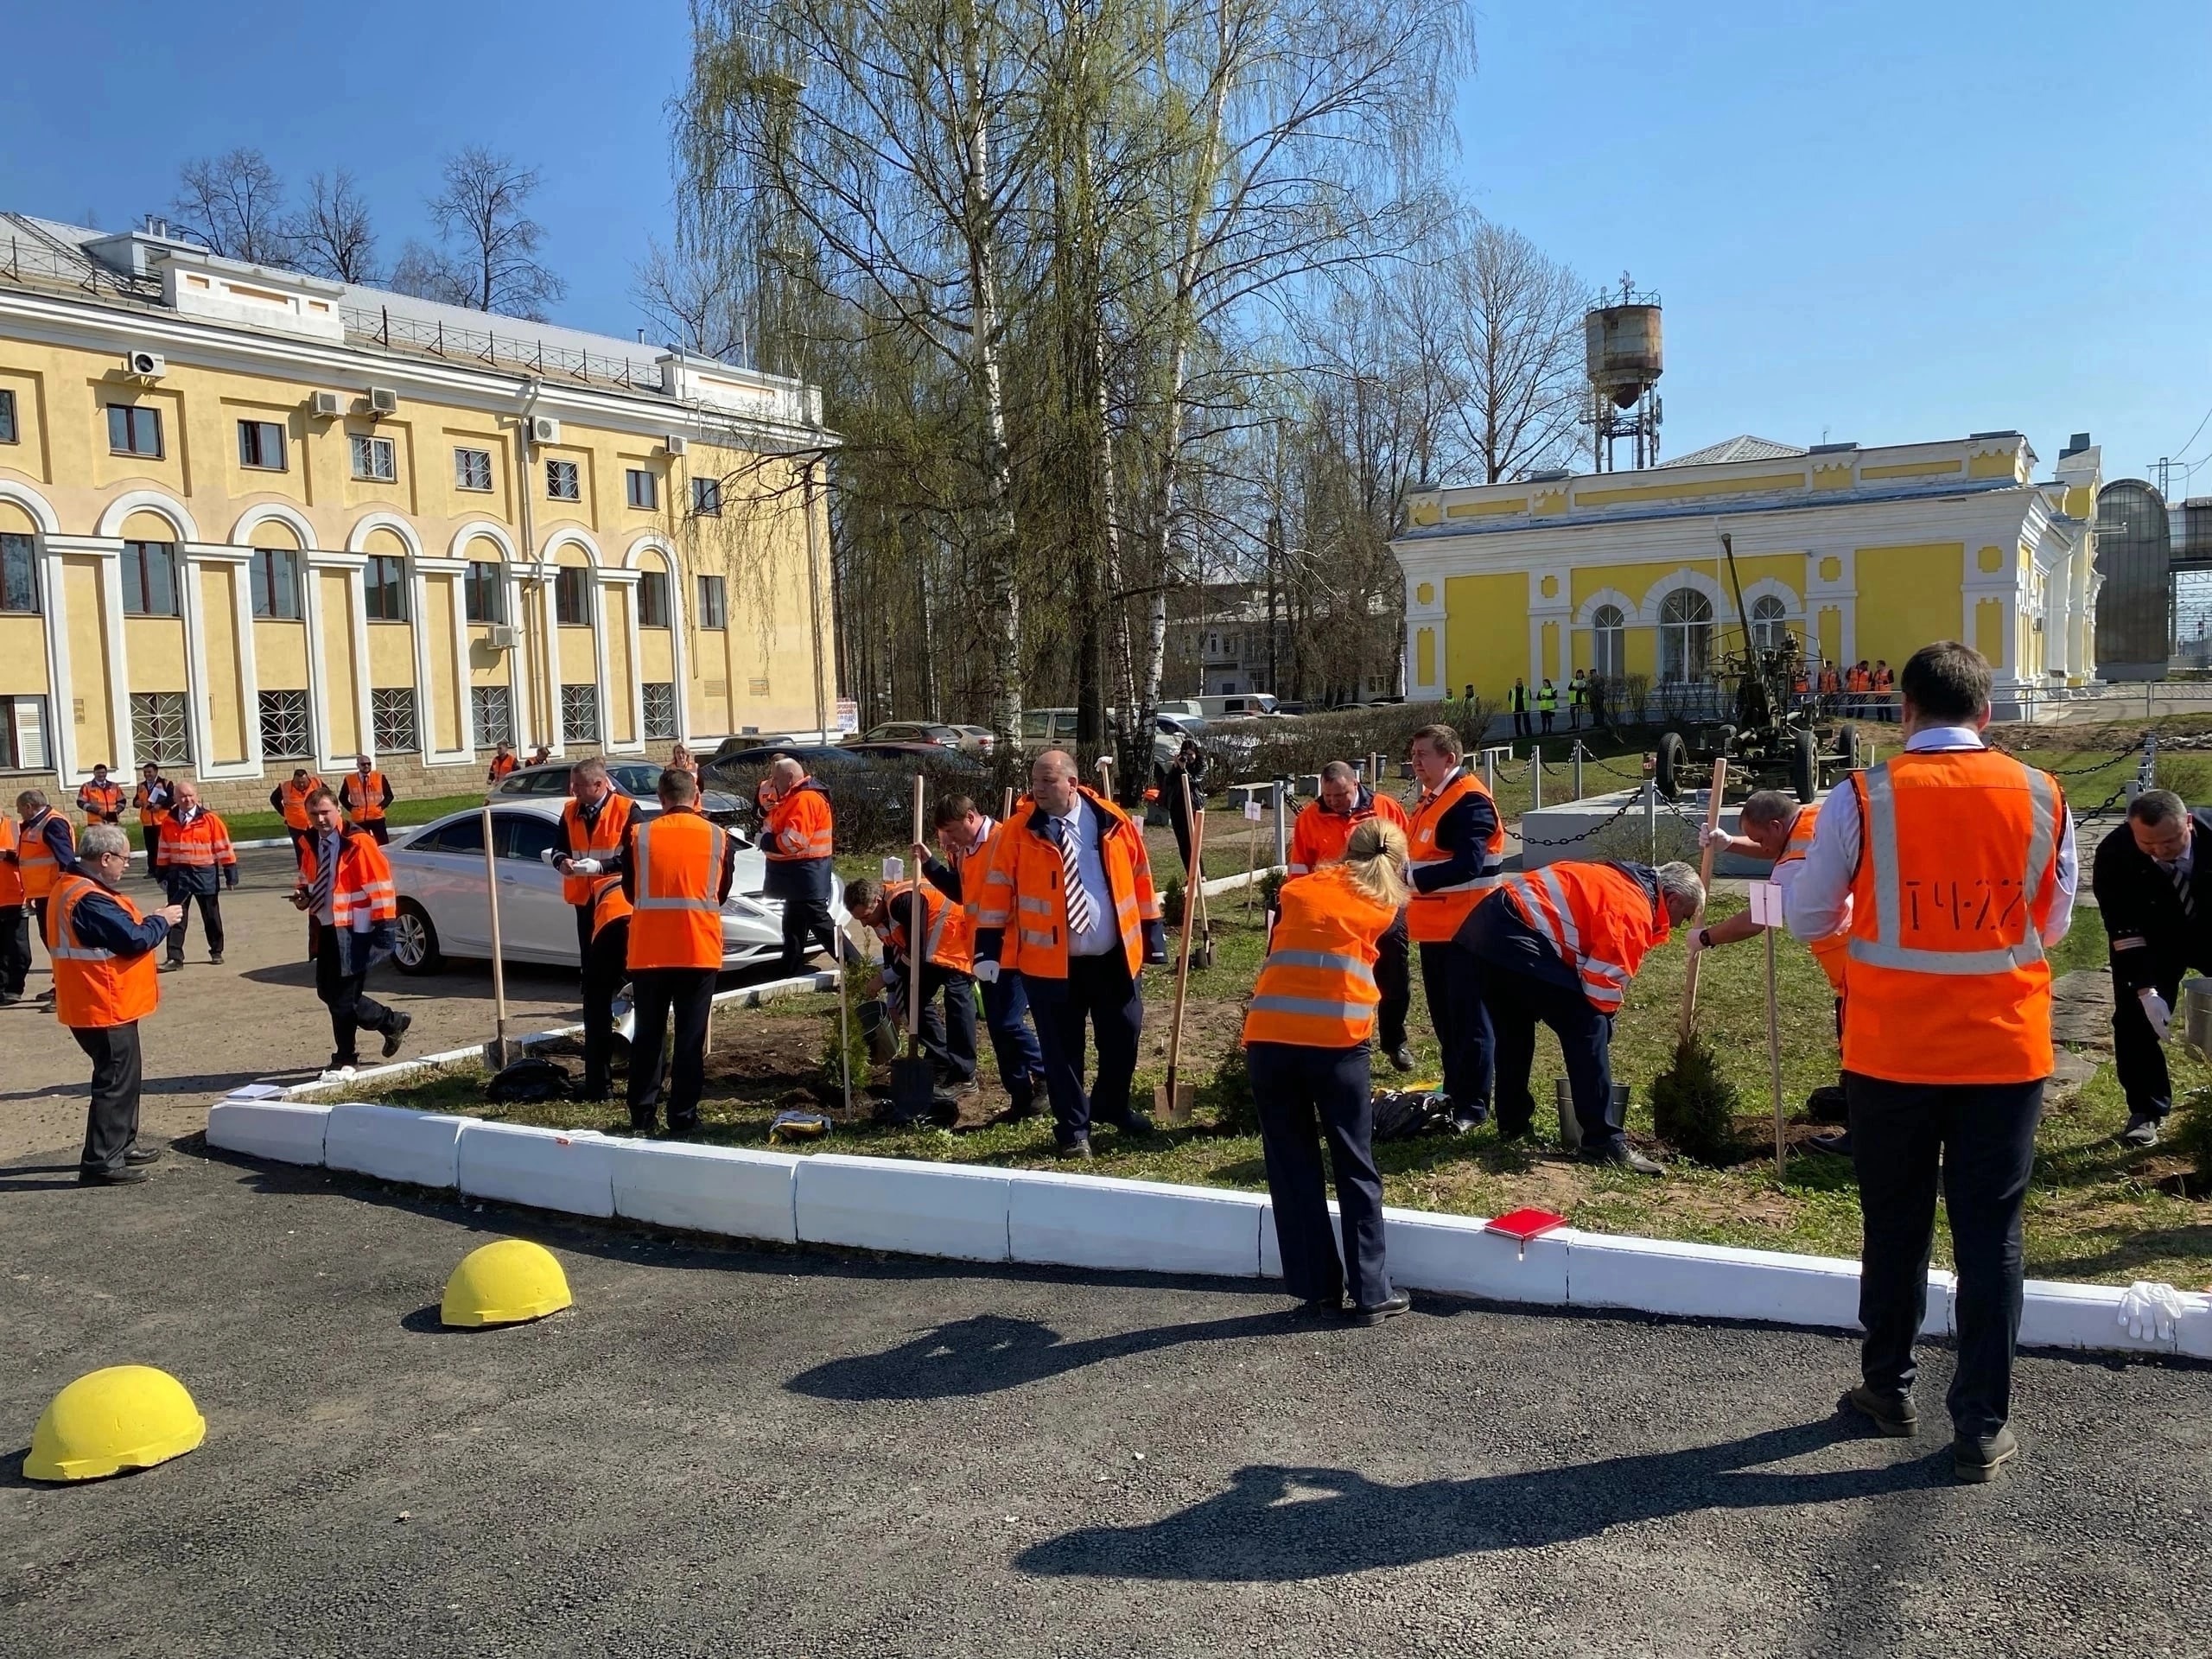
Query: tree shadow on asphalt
[[1278, 1524]]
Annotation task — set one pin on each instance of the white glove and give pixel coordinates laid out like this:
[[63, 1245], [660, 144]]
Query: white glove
[[987, 972], [1693, 940], [2148, 1311], [2155, 1010], [585, 866], [1714, 835]]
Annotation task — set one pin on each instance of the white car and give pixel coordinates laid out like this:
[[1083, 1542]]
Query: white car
[[439, 870]]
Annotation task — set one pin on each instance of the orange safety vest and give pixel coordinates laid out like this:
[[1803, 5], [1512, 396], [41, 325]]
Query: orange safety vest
[[1957, 873], [202, 844], [1830, 681], [676, 863], [1434, 918], [102, 803], [148, 812], [1318, 837], [1882, 678], [501, 766], [1598, 919], [11, 875], [93, 987], [1317, 987], [1022, 894], [948, 937], [972, 865], [1829, 951], [604, 838], [799, 826], [1858, 680], [293, 799], [40, 869], [370, 807], [611, 906], [363, 883]]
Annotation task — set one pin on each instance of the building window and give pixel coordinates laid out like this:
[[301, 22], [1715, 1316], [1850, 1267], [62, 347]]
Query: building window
[[134, 431], [714, 611], [572, 596], [562, 481], [150, 578], [392, 718], [1608, 629], [660, 709], [641, 488], [18, 572], [261, 444], [284, 726], [472, 469], [1769, 622], [492, 710], [653, 599], [275, 575], [158, 729], [484, 591], [375, 459], [8, 433], [707, 497], [579, 713], [1685, 636], [384, 587], [22, 735]]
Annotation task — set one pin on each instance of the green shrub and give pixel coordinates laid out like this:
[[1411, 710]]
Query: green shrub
[[2191, 1134], [2188, 776], [1229, 1091], [1270, 888], [1171, 902], [832, 1087], [1694, 1107]]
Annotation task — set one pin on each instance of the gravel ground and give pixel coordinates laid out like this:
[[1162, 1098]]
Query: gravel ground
[[739, 1452]]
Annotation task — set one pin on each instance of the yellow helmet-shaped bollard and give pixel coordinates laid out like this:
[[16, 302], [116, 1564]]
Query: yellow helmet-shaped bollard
[[122, 1417], [505, 1283]]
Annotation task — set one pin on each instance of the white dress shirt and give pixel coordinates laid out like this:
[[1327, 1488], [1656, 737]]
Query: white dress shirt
[[1080, 823], [1819, 901]]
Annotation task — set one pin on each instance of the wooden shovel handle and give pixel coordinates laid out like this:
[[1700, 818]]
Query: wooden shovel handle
[[1705, 874], [914, 934], [1183, 962]]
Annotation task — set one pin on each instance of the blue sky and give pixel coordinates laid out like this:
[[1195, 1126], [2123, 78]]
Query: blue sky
[[1880, 221]]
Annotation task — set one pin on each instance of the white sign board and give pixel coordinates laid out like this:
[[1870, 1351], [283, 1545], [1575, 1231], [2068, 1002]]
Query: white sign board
[[894, 869], [1766, 903], [1252, 809], [849, 715]]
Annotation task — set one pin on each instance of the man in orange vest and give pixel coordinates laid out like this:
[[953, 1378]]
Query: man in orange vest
[[45, 851], [1068, 904], [1953, 865], [503, 762], [1885, 682], [606, 967], [1456, 840], [100, 799], [365, 795], [594, 826], [15, 909], [290, 798], [966, 836], [1318, 836], [677, 870], [945, 961], [152, 797], [105, 984], [797, 834], [346, 889], [195, 860]]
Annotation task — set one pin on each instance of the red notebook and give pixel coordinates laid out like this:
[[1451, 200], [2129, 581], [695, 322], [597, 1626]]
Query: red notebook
[[1525, 1224]]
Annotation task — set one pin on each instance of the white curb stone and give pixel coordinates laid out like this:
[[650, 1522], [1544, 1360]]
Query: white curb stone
[[880, 1204], [2059, 1315], [1455, 1254], [707, 1189], [2193, 1329], [393, 1144], [1710, 1281], [1094, 1220], [569, 1170], [269, 1129]]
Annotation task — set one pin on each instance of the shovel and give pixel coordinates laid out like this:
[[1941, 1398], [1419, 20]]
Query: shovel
[[1705, 873], [1172, 1101], [1194, 882], [914, 1079]]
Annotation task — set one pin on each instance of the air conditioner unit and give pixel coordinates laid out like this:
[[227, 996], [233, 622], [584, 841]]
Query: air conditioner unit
[[544, 428], [383, 400], [678, 445], [145, 365], [328, 405], [504, 637]]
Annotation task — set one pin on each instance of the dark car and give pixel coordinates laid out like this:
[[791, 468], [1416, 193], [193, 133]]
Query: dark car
[[911, 731], [638, 779]]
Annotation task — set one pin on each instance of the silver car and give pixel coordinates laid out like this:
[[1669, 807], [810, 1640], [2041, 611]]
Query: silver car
[[443, 912]]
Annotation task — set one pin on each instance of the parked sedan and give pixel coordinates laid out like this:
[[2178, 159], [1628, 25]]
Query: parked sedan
[[913, 731], [638, 779], [444, 910], [978, 740]]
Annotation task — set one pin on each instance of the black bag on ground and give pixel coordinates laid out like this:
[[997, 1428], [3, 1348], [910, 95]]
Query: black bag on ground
[[1407, 1114], [529, 1081]]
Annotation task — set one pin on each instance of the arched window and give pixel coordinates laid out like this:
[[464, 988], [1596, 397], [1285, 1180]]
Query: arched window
[[1768, 624], [1608, 628], [1685, 636]]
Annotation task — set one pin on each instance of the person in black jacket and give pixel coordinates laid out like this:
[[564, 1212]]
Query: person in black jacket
[[2152, 890], [1189, 762]]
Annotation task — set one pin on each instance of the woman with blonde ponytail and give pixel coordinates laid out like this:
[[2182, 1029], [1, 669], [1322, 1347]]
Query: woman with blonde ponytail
[[1306, 1039]]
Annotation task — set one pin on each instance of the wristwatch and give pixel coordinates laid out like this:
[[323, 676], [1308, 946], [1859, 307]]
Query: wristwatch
[[1705, 938]]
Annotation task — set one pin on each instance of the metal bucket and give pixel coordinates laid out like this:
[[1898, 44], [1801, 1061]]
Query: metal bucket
[[2197, 1014], [1570, 1126]]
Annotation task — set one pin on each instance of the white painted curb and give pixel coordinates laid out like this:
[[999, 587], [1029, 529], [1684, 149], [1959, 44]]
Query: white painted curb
[[887, 1204], [269, 1129], [729, 1190], [1096, 1221], [572, 1171], [380, 1141]]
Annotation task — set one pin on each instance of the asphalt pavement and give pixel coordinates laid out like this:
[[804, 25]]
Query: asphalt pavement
[[727, 1451]]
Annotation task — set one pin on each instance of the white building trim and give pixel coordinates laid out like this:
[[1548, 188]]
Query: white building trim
[[265, 512], [160, 502], [33, 503], [678, 657]]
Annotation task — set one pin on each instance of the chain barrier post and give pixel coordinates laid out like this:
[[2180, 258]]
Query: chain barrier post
[[1283, 826], [1575, 755], [1536, 777], [1652, 820], [1490, 771]]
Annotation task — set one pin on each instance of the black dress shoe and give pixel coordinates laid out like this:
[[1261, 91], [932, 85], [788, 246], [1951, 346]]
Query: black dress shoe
[[1395, 1304], [1135, 1123], [1077, 1150], [1893, 1414], [391, 1037], [116, 1175], [1622, 1155], [143, 1155], [1401, 1057], [1319, 1307]]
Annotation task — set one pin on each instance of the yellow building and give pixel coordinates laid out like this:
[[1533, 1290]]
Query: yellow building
[[250, 519], [1864, 554]]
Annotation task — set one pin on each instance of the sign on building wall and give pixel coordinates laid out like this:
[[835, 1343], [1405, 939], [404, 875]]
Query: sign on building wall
[[849, 715]]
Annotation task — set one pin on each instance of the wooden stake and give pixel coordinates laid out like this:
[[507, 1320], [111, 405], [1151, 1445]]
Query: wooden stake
[[1705, 872], [1774, 1059], [1175, 1104], [915, 936], [500, 1051]]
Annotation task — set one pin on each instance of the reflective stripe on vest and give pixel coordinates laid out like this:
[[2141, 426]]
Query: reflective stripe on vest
[[93, 988], [604, 836], [676, 917], [41, 870], [1317, 986], [1830, 951], [1886, 948], [1433, 917], [370, 806]]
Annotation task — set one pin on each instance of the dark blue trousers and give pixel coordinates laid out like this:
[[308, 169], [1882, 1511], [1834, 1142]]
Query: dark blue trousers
[[1099, 991], [1021, 1062], [1981, 1138], [1304, 1095], [1453, 989], [1523, 985]]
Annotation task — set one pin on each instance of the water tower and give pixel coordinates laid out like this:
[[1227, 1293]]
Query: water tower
[[1624, 355]]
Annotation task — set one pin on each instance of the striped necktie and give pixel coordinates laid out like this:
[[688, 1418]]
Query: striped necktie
[[326, 873], [1080, 918], [2179, 874]]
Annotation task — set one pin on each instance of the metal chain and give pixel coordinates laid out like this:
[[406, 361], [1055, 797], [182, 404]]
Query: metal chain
[[1619, 812], [2083, 820]]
